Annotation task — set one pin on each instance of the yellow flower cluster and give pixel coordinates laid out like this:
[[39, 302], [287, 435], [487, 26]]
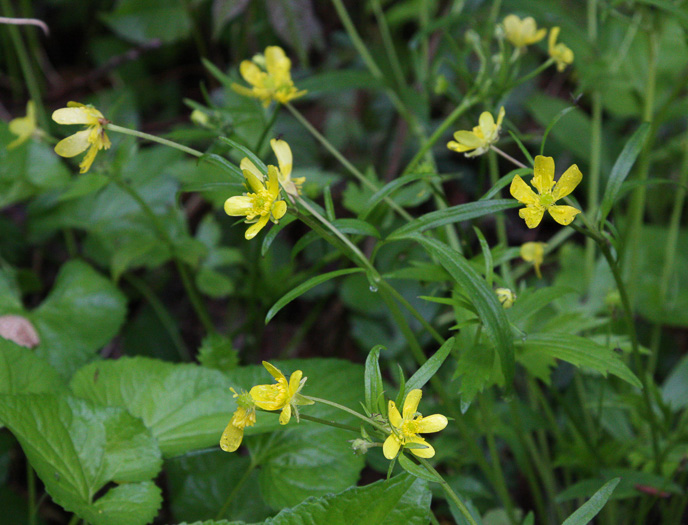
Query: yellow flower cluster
[[522, 33], [269, 76], [283, 395]]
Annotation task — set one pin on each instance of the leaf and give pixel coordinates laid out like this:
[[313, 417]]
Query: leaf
[[271, 235], [247, 152], [531, 302], [478, 370], [373, 380], [295, 22], [77, 448], [675, 387], [580, 351], [490, 311], [82, 313], [594, 505], [344, 80], [141, 22], [461, 212], [185, 406], [505, 181], [304, 287], [551, 124], [388, 189], [417, 470], [225, 11], [622, 167], [23, 372], [85, 184], [431, 366]]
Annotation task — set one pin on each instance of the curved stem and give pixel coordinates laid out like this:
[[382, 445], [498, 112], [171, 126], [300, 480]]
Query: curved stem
[[235, 490], [350, 167], [453, 496], [508, 157], [329, 423], [348, 411], [140, 134], [268, 126]]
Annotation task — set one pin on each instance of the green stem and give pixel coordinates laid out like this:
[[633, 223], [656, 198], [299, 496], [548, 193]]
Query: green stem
[[350, 167], [75, 519], [349, 411], [27, 69], [329, 423], [502, 238], [508, 157], [268, 126], [194, 297], [465, 104], [31, 482], [389, 44], [140, 134], [525, 78], [235, 491], [415, 313], [453, 496]]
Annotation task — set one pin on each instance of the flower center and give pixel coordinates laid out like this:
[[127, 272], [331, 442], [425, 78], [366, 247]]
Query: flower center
[[262, 203], [546, 200]]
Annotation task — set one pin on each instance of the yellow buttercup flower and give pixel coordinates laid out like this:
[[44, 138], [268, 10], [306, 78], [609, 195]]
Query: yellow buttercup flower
[[548, 191], [522, 33], [534, 252], [285, 161], [23, 127], [269, 76], [481, 138], [93, 138], [261, 206], [562, 55], [244, 416], [506, 297], [405, 429], [282, 395]]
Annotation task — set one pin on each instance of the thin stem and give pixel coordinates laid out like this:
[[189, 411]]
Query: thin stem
[[502, 238], [349, 411], [466, 103], [4, 20], [268, 126], [415, 313], [453, 496], [388, 43], [525, 78], [508, 157], [350, 167], [140, 134], [329, 423], [31, 482], [235, 490], [75, 519]]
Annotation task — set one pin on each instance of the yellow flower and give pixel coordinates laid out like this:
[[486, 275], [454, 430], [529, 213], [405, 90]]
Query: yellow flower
[[244, 416], [23, 127], [548, 191], [261, 206], [284, 159], [522, 33], [405, 429], [534, 252], [93, 138], [482, 136], [282, 395], [506, 297], [270, 77], [561, 54]]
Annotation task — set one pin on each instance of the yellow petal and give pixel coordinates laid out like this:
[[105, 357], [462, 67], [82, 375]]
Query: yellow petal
[[249, 166], [567, 183], [532, 215], [274, 371], [522, 193], [487, 124], [273, 181], [276, 63], [279, 208], [411, 402], [538, 36], [553, 34], [459, 148], [231, 438], [500, 117], [285, 416], [267, 397], [79, 115], [433, 423], [544, 174], [284, 157], [391, 447], [238, 206], [468, 139], [564, 215], [295, 382], [243, 90], [394, 415], [85, 164], [426, 452], [254, 182], [74, 144], [252, 73], [253, 230]]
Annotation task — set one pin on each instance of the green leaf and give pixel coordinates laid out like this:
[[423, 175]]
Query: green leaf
[[77, 448], [417, 470], [505, 181], [675, 388], [431, 366], [185, 406], [579, 351], [343, 80], [388, 189], [141, 22], [217, 352], [551, 124], [461, 212], [213, 283], [23, 372], [251, 156], [84, 185], [531, 302], [304, 287], [622, 167], [82, 313], [10, 297], [490, 311], [478, 370], [271, 235], [593, 506], [356, 227], [373, 380]]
